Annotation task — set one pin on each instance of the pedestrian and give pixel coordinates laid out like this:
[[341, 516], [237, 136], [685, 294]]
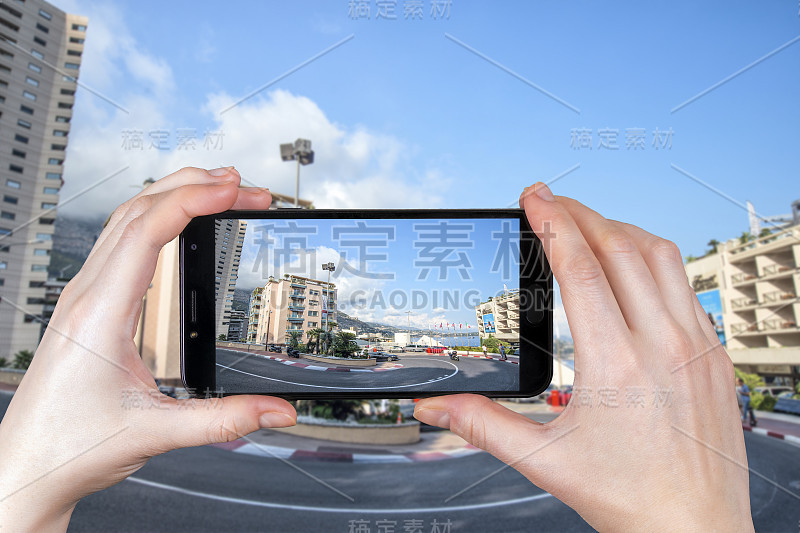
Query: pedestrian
[[503, 352], [743, 391], [484, 351]]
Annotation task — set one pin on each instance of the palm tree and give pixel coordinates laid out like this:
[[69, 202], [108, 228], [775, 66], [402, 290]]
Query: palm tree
[[713, 243], [315, 335], [344, 344], [294, 339], [745, 237], [765, 232]]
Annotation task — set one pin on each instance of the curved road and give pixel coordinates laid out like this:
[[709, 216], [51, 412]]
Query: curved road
[[243, 372]]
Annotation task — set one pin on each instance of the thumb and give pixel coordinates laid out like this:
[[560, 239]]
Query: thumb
[[518, 441], [196, 422]]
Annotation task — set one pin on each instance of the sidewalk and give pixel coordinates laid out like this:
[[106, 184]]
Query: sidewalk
[[778, 425]]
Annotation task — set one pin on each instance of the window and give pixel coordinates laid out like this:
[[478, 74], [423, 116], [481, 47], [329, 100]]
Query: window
[[21, 138], [64, 105], [34, 67], [31, 81], [45, 15], [10, 199], [15, 168], [26, 109], [37, 54], [44, 237], [38, 268], [62, 119], [48, 205], [47, 221], [73, 66], [74, 53], [39, 41], [53, 176], [79, 27], [24, 123], [36, 284], [5, 231], [3, 265], [41, 251], [76, 40], [54, 161], [29, 318], [14, 184], [2, 282], [7, 215], [36, 301], [42, 27], [68, 92], [11, 11], [59, 147], [68, 78], [59, 133], [18, 153], [29, 95], [51, 190]]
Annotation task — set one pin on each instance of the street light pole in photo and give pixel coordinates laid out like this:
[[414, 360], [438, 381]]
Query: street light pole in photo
[[330, 267], [301, 152]]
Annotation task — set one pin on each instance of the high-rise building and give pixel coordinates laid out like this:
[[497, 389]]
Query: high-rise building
[[40, 58], [749, 289], [291, 304], [498, 317], [228, 242]]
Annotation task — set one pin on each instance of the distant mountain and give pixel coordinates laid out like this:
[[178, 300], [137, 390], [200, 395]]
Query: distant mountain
[[345, 321], [72, 241]]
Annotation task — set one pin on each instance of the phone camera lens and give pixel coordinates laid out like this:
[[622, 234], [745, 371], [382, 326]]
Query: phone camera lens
[[193, 247]]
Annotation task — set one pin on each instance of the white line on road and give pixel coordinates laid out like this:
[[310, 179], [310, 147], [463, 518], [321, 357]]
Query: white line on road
[[340, 508], [344, 388]]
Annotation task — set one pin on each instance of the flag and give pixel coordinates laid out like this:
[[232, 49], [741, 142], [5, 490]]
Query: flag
[[324, 305]]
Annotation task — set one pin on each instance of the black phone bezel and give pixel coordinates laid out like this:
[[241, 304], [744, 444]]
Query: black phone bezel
[[198, 348]]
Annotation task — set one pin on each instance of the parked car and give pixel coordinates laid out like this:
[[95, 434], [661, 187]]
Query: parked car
[[384, 356], [773, 391], [396, 349], [416, 348]]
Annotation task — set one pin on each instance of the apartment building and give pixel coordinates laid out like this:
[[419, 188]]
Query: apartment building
[[228, 242], [40, 59], [750, 292], [499, 317], [237, 327], [291, 304]]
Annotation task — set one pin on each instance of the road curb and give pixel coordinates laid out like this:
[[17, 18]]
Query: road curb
[[294, 454], [774, 434], [490, 358]]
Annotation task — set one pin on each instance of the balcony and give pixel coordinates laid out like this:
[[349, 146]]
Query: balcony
[[297, 295], [740, 303], [297, 283], [779, 324], [298, 318], [739, 329], [778, 297], [293, 330], [294, 307], [743, 277]]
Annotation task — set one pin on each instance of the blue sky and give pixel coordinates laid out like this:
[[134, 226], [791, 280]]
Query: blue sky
[[403, 116], [386, 273]]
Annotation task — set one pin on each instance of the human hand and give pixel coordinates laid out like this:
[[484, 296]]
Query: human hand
[[674, 464], [66, 433]]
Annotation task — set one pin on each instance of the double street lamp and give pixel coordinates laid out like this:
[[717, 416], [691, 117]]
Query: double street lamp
[[301, 152]]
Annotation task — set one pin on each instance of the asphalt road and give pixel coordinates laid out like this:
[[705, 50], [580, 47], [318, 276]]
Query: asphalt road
[[210, 489], [242, 372]]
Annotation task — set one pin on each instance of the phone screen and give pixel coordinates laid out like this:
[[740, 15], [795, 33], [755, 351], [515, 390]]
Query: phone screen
[[381, 307]]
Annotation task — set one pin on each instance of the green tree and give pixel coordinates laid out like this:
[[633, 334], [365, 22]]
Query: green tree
[[3, 362], [22, 359], [745, 237], [690, 258], [294, 339], [765, 232], [315, 335], [493, 345], [713, 244], [222, 337], [344, 344]]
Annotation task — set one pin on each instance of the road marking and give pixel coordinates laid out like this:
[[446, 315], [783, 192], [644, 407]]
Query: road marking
[[344, 388], [340, 509]]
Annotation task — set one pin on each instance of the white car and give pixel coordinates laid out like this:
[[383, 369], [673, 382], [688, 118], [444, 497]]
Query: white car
[[396, 349], [415, 348], [773, 391]]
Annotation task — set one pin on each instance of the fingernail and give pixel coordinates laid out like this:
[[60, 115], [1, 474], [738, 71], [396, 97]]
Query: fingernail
[[219, 172], [433, 417], [543, 191], [275, 420]]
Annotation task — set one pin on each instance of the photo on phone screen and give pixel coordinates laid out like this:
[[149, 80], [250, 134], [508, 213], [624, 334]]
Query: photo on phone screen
[[324, 305]]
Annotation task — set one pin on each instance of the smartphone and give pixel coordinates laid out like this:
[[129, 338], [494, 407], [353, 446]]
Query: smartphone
[[327, 304]]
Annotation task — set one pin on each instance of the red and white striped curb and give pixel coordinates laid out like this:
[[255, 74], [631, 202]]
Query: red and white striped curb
[[481, 356], [788, 438], [306, 366], [277, 452]]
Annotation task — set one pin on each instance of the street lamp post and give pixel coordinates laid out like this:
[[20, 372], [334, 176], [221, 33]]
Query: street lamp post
[[301, 152], [409, 326], [330, 267]]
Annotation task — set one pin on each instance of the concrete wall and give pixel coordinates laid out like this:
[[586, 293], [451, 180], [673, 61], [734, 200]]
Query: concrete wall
[[406, 433], [340, 362], [11, 376]]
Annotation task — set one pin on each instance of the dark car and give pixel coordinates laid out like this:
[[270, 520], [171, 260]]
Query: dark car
[[274, 348], [384, 356]]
